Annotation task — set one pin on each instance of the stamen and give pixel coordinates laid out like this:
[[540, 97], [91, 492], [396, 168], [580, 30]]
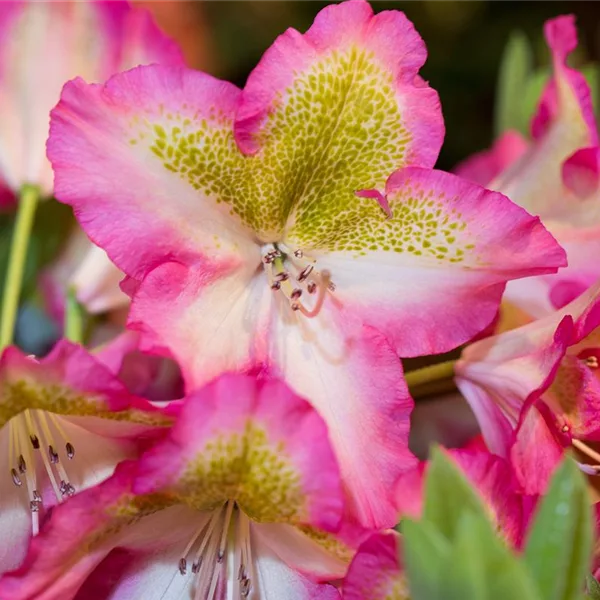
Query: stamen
[[226, 534], [591, 362], [29, 432], [16, 479], [323, 287], [585, 449]]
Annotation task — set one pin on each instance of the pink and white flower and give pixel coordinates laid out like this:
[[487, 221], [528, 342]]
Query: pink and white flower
[[44, 44], [243, 498], [535, 389], [65, 422], [555, 176], [235, 216]]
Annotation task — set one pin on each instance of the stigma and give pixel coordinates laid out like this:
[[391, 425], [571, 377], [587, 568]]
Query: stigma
[[295, 275], [37, 443], [219, 555]]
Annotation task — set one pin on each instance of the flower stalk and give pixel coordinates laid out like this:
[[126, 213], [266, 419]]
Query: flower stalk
[[73, 318], [28, 202], [438, 378]]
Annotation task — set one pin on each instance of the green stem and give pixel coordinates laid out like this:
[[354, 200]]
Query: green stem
[[16, 263], [73, 318], [427, 375]]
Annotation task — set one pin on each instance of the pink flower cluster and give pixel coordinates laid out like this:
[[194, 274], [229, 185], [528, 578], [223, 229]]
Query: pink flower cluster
[[286, 245]]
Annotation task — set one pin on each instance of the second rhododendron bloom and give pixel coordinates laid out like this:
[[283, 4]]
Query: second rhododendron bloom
[[44, 44], [296, 225], [243, 499], [65, 422], [535, 389]]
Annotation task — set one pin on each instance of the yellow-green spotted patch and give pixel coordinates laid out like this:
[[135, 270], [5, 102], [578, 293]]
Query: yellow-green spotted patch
[[249, 469], [17, 396], [335, 130]]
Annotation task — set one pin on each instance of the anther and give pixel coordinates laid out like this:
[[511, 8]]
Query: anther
[[52, 455], [298, 253], [22, 464], [15, 477], [220, 556], [34, 441], [275, 286], [245, 587], [311, 287], [70, 450], [282, 276], [295, 306], [592, 362], [66, 489], [196, 566], [36, 496], [296, 293], [305, 272], [565, 428], [182, 566], [34, 506]]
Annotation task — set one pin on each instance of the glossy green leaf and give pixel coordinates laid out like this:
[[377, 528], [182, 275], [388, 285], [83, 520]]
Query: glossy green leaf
[[559, 545], [515, 69]]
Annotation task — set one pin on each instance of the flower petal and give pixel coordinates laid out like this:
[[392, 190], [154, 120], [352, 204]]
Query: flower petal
[[210, 320], [254, 442], [347, 68], [42, 47], [69, 381], [153, 150], [15, 517], [432, 276], [336, 110], [484, 167], [563, 124], [354, 379], [376, 571], [275, 580], [315, 554], [107, 516]]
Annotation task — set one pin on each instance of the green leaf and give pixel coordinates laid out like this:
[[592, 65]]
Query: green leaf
[[559, 545], [448, 495], [515, 68], [593, 587], [427, 554]]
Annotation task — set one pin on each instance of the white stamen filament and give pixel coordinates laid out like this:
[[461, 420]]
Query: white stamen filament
[[585, 449], [31, 439], [225, 535]]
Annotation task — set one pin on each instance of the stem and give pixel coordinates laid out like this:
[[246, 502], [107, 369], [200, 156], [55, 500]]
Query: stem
[[73, 317], [16, 263], [439, 372]]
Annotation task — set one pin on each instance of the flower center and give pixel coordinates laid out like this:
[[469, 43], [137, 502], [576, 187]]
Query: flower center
[[220, 554], [32, 436], [295, 276]]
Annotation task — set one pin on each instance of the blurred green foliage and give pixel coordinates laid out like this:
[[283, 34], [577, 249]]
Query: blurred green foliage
[[465, 39], [455, 553]]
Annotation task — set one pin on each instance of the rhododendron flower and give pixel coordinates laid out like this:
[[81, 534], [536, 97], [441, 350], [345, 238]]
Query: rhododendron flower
[[243, 498], [535, 389], [556, 177], [65, 422], [271, 226]]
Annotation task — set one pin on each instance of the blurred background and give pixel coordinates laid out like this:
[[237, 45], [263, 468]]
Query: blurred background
[[466, 41]]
